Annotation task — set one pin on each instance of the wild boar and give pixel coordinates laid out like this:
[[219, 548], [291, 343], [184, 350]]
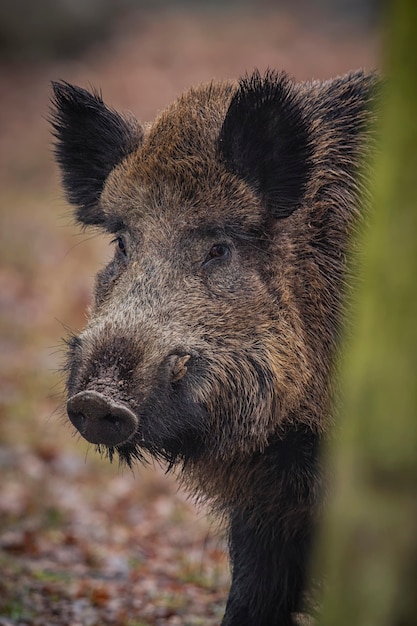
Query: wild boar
[[214, 329]]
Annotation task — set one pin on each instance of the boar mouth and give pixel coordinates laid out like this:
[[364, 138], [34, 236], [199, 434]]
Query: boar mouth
[[101, 420]]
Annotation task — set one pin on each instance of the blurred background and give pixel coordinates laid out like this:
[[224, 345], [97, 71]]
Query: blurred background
[[82, 542]]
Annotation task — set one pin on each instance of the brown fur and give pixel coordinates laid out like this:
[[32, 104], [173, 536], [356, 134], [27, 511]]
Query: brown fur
[[252, 340]]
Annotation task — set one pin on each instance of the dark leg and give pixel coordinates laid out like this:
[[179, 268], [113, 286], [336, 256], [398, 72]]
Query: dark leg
[[268, 574]]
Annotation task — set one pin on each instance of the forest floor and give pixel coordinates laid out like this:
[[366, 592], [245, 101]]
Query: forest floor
[[83, 543]]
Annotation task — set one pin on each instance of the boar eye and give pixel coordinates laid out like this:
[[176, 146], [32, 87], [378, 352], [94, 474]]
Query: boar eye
[[120, 244], [218, 252]]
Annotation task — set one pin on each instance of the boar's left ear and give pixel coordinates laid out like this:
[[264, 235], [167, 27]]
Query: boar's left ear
[[91, 139], [265, 141]]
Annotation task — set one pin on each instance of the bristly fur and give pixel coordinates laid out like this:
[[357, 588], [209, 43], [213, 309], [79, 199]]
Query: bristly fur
[[232, 216], [91, 139]]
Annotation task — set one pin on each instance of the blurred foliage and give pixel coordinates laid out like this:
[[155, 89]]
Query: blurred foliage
[[33, 31], [370, 541], [47, 28]]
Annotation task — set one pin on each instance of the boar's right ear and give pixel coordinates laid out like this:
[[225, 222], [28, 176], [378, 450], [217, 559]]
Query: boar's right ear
[[265, 141], [91, 139]]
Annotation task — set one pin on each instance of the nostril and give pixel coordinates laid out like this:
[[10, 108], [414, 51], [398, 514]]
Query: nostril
[[113, 420], [78, 420], [101, 420]]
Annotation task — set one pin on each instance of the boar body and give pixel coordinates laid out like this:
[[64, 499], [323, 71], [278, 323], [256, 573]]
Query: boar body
[[213, 330]]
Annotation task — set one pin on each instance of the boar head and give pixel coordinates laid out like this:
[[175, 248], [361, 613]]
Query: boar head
[[212, 328]]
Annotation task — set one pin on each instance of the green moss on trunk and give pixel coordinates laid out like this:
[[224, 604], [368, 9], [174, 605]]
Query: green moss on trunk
[[369, 542]]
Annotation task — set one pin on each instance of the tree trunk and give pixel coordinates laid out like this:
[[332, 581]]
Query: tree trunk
[[368, 547]]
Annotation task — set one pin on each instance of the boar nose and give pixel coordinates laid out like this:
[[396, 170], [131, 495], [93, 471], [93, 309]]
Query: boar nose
[[101, 420]]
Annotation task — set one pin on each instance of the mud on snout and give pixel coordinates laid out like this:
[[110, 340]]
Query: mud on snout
[[123, 402]]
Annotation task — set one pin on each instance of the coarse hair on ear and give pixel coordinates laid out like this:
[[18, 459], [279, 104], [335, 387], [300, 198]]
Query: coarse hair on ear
[[90, 140], [265, 140]]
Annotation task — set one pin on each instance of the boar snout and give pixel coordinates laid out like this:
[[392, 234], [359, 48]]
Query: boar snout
[[100, 420]]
